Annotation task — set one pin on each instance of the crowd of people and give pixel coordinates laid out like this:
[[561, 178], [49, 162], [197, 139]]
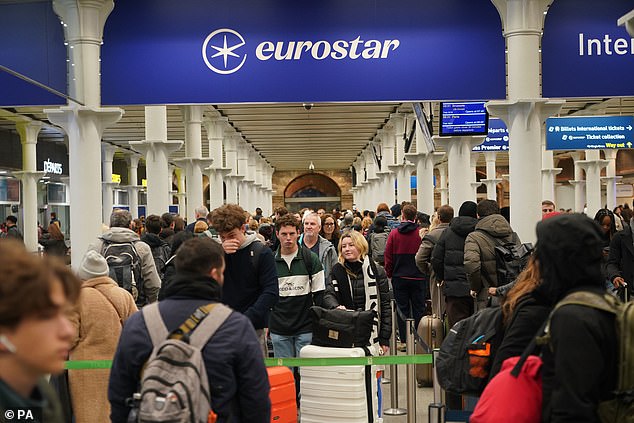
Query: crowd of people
[[271, 270]]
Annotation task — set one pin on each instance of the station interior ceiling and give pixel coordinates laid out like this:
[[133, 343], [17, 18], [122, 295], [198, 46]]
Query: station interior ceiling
[[287, 135]]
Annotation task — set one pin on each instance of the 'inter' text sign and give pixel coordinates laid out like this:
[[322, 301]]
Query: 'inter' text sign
[[587, 133]]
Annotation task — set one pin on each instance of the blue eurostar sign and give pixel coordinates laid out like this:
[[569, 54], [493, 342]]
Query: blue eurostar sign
[[497, 138], [587, 133]]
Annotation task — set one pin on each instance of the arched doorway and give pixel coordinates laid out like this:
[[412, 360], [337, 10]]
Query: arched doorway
[[314, 191]]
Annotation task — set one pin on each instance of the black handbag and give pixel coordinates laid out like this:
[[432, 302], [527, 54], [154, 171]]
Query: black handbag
[[342, 328]]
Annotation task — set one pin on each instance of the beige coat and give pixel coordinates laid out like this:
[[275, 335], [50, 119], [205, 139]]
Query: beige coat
[[102, 308]]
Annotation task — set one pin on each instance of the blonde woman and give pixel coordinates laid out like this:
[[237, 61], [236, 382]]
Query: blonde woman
[[358, 284]]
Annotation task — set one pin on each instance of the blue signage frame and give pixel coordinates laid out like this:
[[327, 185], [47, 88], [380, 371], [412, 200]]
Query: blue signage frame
[[497, 138], [165, 52], [584, 51], [32, 44], [590, 132]]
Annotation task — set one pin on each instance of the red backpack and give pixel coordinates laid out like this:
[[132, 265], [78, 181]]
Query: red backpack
[[499, 401]]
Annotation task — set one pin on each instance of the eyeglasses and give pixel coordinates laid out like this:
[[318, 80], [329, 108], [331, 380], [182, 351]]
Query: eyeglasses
[[329, 224]]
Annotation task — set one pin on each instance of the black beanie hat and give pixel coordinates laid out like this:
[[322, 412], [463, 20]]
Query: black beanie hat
[[468, 208]]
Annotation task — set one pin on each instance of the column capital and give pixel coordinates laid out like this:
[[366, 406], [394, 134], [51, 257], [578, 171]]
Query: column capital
[[524, 16], [221, 171], [215, 127], [490, 156], [77, 13], [28, 130], [192, 114], [628, 22], [194, 161], [610, 153], [543, 107], [23, 175], [577, 183], [133, 159], [588, 164], [147, 146], [608, 179], [110, 184], [449, 143], [108, 151], [552, 171], [68, 116]]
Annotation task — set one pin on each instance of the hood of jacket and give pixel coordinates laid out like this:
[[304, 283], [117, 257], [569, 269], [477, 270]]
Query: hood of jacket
[[152, 240], [190, 285], [120, 235], [101, 280], [495, 225], [407, 227], [324, 245], [250, 239], [463, 225], [568, 250]]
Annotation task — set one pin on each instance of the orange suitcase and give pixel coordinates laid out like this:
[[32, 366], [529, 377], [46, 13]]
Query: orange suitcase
[[283, 405]]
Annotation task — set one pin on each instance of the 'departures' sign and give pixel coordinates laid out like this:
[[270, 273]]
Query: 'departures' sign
[[497, 138], [161, 51], [591, 132], [585, 53]]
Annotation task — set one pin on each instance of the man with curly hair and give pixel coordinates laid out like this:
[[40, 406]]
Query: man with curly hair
[[250, 277]]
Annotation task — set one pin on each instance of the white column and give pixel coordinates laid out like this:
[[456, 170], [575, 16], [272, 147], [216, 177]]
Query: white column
[[193, 163], [215, 128], [579, 183], [492, 180], [549, 171], [243, 170], [180, 193], [388, 149], [231, 154], [156, 148], [356, 190], [133, 184], [425, 178], [259, 182], [269, 190], [252, 157], [627, 21], [29, 176], [442, 183], [459, 168], [84, 22], [611, 178], [372, 193], [475, 155], [593, 165], [107, 156], [402, 168], [524, 112]]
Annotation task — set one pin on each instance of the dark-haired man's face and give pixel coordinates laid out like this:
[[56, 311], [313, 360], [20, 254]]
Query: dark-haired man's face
[[547, 208], [288, 239]]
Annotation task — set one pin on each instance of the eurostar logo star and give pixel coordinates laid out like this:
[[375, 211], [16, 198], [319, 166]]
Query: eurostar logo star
[[217, 41]]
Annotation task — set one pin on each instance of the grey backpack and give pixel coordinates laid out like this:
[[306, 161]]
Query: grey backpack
[[378, 241], [174, 384]]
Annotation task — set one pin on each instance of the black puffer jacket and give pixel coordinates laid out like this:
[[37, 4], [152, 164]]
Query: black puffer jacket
[[333, 298], [447, 258], [580, 367]]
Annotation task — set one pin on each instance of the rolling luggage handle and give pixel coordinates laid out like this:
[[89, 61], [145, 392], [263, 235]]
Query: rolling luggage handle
[[436, 410]]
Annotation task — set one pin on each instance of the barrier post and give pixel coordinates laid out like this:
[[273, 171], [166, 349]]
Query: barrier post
[[411, 373], [394, 410]]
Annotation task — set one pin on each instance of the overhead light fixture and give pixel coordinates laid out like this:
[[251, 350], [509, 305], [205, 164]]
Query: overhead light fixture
[[311, 166]]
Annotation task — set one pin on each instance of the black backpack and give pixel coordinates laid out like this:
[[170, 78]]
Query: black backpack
[[510, 260], [161, 255], [125, 266], [467, 353]]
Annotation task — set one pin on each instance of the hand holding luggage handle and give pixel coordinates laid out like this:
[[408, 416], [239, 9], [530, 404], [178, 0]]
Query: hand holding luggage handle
[[394, 409]]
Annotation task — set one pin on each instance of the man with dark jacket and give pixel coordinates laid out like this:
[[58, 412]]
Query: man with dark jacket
[[201, 213], [423, 258], [12, 228], [448, 263], [237, 377], [250, 276], [580, 363], [621, 259], [160, 249], [408, 283], [479, 250]]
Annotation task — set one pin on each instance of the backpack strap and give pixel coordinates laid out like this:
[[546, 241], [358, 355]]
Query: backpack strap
[[154, 323], [214, 318]]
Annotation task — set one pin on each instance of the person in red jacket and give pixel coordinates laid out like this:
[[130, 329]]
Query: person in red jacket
[[409, 285]]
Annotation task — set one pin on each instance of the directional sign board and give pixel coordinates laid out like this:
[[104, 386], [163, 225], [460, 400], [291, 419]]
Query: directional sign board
[[587, 133], [497, 138]]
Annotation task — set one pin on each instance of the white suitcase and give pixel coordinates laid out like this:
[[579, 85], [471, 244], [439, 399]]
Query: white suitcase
[[336, 394]]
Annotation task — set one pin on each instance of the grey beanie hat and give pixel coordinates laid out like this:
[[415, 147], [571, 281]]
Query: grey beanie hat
[[93, 265]]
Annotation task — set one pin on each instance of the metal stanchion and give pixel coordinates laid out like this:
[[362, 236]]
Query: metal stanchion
[[436, 410], [394, 410], [411, 373]]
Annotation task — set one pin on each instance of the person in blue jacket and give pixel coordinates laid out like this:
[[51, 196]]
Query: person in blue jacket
[[238, 380]]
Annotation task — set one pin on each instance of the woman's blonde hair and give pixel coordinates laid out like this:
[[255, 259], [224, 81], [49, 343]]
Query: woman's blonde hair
[[366, 223], [527, 281], [358, 241]]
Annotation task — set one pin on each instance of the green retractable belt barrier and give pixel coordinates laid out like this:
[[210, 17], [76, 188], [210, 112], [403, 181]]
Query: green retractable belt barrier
[[292, 362]]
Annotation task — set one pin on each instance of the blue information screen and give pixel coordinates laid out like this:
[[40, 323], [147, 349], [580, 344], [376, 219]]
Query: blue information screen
[[587, 133], [469, 118]]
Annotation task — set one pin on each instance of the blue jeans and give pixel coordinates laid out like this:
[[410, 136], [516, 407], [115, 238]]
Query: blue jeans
[[289, 346]]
